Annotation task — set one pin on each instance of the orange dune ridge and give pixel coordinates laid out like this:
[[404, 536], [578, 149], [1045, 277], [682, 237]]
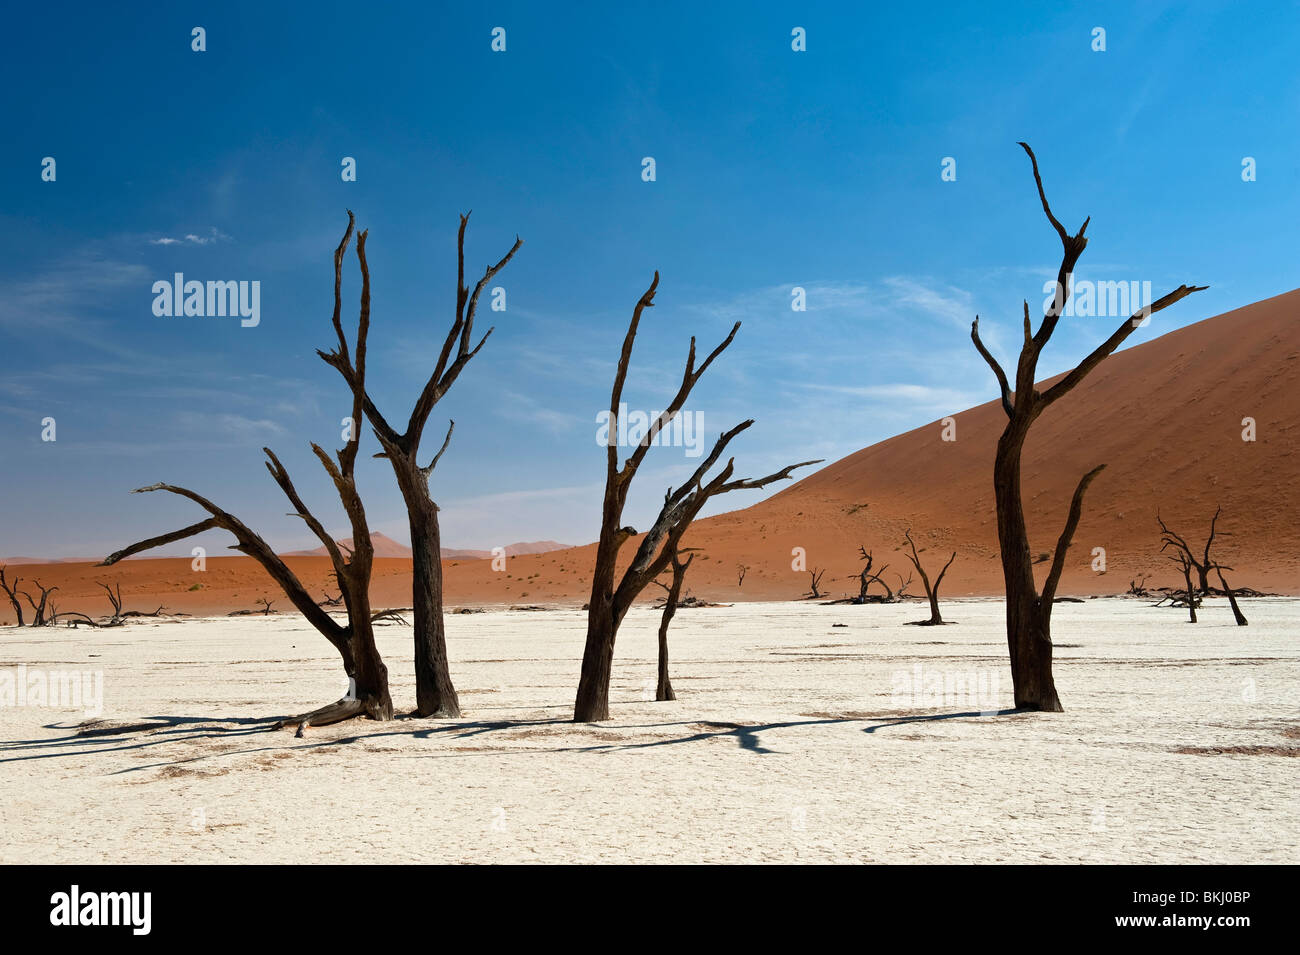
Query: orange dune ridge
[[1166, 417]]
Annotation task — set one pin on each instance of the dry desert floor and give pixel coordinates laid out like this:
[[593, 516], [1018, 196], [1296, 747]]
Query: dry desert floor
[[803, 733]]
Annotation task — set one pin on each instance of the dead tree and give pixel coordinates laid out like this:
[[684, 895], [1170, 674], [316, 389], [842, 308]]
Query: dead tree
[[1169, 538], [1029, 614], [115, 598], [610, 599], [355, 640], [1232, 597], [1185, 563], [434, 691], [664, 686], [741, 570], [866, 578], [814, 590], [39, 609], [931, 590], [13, 593]]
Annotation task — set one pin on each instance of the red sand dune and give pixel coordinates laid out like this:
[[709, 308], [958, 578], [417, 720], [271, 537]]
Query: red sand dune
[[385, 546], [1165, 417]]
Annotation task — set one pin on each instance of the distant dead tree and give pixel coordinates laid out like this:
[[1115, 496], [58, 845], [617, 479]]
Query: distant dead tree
[[328, 601], [1185, 564], [266, 606], [434, 691], [1029, 614], [741, 570], [866, 578], [1138, 588], [1232, 597], [1186, 559], [13, 593], [814, 590], [355, 641], [1169, 538], [40, 610], [610, 600], [115, 598], [931, 591], [664, 686]]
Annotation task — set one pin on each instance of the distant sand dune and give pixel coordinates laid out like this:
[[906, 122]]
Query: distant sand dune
[[1165, 417]]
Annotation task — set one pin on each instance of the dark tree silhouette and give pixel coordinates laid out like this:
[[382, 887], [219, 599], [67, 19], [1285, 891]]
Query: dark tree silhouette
[[1169, 538], [866, 578], [815, 581], [42, 609], [355, 640], [434, 690], [1029, 614], [13, 593], [1232, 597], [1185, 565], [115, 598], [931, 590], [611, 599], [664, 685]]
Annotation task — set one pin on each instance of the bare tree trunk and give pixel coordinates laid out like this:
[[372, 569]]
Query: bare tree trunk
[[610, 602], [1029, 615], [592, 702], [435, 693], [40, 620], [866, 578], [1232, 598], [815, 576], [1029, 622], [12, 592], [664, 689], [931, 591], [1191, 594]]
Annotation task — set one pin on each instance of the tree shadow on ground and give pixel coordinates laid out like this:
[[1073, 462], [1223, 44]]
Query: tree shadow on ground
[[150, 732], [154, 731], [937, 717]]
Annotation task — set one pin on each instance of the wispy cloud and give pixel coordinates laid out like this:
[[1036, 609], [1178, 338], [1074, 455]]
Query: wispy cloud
[[924, 398], [190, 238], [224, 427], [526, 408], [948, 303], [63, 299]]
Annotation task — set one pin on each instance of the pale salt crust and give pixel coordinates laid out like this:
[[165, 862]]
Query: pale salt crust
[[790, 743]]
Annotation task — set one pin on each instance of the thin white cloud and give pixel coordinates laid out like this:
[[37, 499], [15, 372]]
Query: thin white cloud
[[923, 397], [191, 238], [520, 407]]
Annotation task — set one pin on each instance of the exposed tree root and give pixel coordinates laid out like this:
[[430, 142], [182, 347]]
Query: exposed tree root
[[338, 712]]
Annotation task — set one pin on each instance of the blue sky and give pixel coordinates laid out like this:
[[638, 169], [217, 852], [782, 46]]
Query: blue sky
[[774, 169]]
